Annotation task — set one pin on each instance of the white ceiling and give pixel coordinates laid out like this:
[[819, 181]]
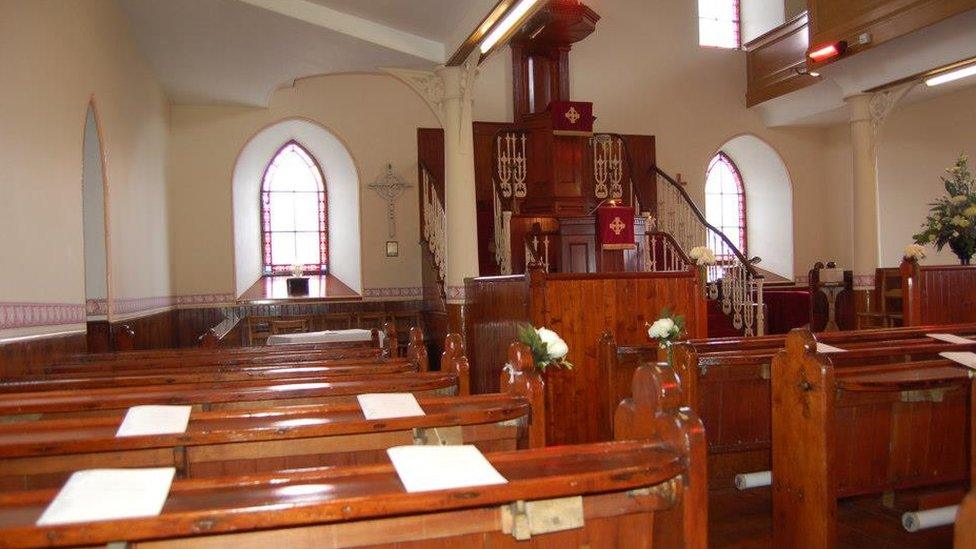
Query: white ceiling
[[237, 52], [823, 104], [432, 19]]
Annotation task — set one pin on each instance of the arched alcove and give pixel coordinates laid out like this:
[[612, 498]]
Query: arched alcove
[[769, 202], [342, 195], [93, 216]]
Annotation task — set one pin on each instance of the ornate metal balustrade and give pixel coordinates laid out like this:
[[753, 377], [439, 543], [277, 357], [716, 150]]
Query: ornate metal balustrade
[[434, 222]]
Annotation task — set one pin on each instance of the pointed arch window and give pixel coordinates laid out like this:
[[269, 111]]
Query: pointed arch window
[[725, 199], [294, 217]]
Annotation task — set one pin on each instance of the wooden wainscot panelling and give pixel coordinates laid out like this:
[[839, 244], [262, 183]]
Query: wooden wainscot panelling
[[938, 294], [835, 20], [580, 307], [774, 61], [26, 355]]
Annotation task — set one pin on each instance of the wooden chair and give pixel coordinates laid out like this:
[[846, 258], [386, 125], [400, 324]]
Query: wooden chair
[[258, 329], [888, 301], [404, 321], [290, 326], [371, 320], [334, 321]]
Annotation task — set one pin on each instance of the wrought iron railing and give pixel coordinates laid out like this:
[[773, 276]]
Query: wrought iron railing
[[434, 221], [733, 279]]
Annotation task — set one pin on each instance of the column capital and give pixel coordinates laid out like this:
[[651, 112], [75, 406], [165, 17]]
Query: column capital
[[440, 86], [875, 107]]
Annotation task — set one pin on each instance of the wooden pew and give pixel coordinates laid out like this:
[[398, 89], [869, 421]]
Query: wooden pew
[[731, 390], [43, 453], [934, 294], [307, 371], [416, 352], [220, 395], [635, 493], [858, 430]]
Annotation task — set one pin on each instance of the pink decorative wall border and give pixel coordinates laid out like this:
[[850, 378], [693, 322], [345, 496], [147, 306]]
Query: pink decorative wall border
[[96, 307], [28, 315], [393, 292]]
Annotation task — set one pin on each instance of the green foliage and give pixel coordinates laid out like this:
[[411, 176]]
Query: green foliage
[[540, 350], [952, 218]]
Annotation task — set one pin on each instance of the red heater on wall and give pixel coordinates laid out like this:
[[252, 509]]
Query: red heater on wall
[[828, 51]]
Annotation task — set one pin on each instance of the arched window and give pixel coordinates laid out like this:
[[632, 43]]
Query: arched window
[[294, 222], [725, 199]]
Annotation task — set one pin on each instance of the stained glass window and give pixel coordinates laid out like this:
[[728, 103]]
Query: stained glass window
[[718, 23], [725, 200], [294, 218]]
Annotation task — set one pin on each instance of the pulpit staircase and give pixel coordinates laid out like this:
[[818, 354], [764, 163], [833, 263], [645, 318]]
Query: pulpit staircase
[[673, 225]]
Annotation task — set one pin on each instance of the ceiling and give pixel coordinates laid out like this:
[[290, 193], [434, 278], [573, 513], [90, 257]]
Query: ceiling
[[823, 104], [237, 52]]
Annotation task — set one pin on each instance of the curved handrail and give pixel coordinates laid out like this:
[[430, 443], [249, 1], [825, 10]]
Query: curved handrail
[[635, 188], [748, 263], [423, 166]]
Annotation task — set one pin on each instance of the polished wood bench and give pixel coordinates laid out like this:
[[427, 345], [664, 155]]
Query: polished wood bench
[[731, 389], [416, 353], [43, 453], [221, 395], [645, 492], [858, 430], [309, 371]]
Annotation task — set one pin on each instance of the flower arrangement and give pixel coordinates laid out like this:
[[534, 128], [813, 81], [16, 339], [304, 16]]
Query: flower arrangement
[[548, 349], [952, 219], [914, 252], [297, 270], [666, 330], [702, 255]]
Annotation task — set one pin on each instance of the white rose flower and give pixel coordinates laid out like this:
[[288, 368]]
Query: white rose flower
[[661, 328], [555, 345], [702, 255], [914, 251], [297, 271]]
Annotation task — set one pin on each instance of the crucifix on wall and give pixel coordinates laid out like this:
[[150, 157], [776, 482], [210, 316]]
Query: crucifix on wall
[[390, 187]]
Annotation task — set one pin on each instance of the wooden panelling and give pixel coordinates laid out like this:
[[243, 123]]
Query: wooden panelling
[[151, 332], [938, 294], [580, 307], [31, 355], [773, 60], [835, 20]]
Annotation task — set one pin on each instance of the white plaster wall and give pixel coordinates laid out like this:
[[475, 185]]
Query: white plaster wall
[[769, 202], [374, 116], [758, 17], [55, 56], [342, 186], [93, 191], [917, 143]]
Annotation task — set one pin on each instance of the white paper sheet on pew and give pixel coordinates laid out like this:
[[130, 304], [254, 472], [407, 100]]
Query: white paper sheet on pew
[[387, 405], [824, 348], [428, 468], [966, 359], [154, 420], [327, 336], [109, 494], [951, 338]]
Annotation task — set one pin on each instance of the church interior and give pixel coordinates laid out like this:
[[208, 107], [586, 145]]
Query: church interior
[[487, 273]]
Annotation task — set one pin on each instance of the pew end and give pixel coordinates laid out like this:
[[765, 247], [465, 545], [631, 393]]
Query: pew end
[[521, 377], [208, 339], [804, 505], [453, 360], [123, 338], [417, 350], [656, 412]]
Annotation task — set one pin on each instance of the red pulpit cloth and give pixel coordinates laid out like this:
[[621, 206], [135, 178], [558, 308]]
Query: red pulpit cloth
[[615, 227], [571, 117]]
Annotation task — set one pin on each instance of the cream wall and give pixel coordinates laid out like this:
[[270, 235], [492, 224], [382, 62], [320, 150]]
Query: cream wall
[[646, 74], [917, 143], [55, 55], [375, 116]]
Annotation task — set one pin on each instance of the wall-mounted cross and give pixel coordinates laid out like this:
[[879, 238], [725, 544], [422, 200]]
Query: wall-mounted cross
[[390, 187]]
